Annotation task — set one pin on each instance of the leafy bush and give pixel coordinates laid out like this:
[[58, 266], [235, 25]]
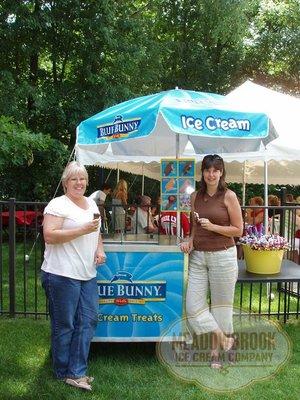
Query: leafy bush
[[30, 164]]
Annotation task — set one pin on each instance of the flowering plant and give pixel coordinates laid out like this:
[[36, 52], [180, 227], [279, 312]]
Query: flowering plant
[[257, 240]]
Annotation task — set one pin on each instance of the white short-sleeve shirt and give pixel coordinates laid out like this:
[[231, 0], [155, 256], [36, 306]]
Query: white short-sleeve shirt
[[140, 221], [99, 197], [73, 259]]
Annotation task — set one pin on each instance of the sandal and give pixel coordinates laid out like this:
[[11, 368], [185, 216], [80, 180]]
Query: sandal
[[231, 354], [215, 361], [89, 379], [81, 383]]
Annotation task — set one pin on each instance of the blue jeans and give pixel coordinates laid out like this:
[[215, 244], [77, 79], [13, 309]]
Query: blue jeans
[[73, 308]]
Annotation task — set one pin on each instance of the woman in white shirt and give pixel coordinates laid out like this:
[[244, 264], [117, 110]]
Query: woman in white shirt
[[73, 250]]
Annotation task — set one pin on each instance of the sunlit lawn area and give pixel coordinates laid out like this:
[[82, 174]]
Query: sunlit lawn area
[[122, 371]]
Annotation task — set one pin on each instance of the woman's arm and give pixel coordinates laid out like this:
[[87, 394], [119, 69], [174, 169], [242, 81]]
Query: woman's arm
[[54, 234], [235, 229], [100, 256]]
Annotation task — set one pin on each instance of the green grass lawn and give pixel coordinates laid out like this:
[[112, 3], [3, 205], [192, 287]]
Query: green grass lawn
[[122, 371]]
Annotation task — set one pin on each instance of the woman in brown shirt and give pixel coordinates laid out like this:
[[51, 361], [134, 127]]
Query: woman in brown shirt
[[216, 220]]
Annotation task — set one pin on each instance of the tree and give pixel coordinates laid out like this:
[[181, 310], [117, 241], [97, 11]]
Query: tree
[[30, 164], [65, 60], [203, 42], [273, 46]]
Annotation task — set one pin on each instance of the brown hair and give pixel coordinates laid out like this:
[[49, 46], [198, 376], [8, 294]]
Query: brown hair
[[273, 200], [257, 200], [289, 198], [217, 162]]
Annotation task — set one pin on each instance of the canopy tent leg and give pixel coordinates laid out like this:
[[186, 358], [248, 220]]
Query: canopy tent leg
[[178, 219], [118, 173], [143, 179], [72, 155], [244, 184], [266, 219]]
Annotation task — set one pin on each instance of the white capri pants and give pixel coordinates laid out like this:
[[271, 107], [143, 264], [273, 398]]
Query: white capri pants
[[217, 271]]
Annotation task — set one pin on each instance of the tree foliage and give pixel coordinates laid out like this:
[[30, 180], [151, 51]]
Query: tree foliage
[[273, 45], [64, 60], [30, 163], [67, 59], [203, 42]]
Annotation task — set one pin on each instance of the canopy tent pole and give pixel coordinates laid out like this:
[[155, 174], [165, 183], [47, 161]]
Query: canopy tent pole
[[118, 173], [110, 171], [266, 219], [143, 179], [72, 155], [244, 184], [27, 256], [178, 219]]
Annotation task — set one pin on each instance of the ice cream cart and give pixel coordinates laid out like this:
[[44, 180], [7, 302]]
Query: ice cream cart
[[141, 288]]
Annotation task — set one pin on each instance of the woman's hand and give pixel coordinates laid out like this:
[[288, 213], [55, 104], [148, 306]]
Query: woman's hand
[[100, 257], [91, 226], [187, 247], [206, 224]]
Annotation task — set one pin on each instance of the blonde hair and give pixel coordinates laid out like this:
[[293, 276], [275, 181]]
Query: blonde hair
[[120, 191], [73, 168]]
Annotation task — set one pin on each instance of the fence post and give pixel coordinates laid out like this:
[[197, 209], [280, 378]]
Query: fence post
[[12, 257]]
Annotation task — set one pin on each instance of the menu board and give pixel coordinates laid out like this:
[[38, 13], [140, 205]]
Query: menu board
[[177, 184]]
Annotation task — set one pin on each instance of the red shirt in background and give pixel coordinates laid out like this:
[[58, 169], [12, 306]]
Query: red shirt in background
[[168, 223]]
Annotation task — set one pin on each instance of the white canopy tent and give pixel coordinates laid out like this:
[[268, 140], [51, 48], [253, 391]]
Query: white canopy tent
[[282, 154], [284, 111], [280, 173]]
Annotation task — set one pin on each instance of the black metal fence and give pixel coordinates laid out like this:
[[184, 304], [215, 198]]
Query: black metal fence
[[21, 256]]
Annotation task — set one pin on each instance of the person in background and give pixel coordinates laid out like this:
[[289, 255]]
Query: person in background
[[168, 224], [273, 201], [289, 198], [141, 219], [100, 197], [255, 216], [73, 251], [155, 212], [273, 214], [216, 220], [119, 204]]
